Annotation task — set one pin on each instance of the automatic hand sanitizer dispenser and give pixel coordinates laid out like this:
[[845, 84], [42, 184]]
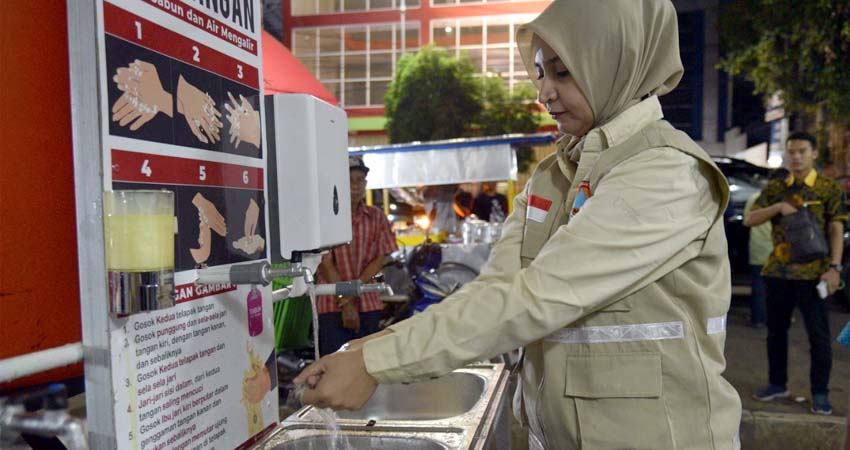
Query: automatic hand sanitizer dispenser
[[308, 187]]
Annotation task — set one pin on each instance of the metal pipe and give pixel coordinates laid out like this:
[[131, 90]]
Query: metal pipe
[[354, 288], [281, 294], [40, 361], [294, 270], [15, 420], [256, 273], [215, 275], [381, 288]]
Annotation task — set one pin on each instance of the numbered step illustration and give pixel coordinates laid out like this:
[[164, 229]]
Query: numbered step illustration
[[163, 87], [215, 225], [220, 207], [140, 93]]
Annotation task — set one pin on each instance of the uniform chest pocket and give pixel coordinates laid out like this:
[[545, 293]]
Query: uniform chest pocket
[[621, 392]]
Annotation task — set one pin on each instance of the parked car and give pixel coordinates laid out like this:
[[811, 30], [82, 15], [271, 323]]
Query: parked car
[[745, 179]]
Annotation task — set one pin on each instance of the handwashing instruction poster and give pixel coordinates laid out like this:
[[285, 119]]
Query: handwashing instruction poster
[[181, 102]]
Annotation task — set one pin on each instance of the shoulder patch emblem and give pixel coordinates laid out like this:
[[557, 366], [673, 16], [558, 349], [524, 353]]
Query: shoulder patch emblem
[[581, 196]]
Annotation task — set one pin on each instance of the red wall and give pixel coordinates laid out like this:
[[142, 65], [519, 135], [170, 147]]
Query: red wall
[[39, 291]]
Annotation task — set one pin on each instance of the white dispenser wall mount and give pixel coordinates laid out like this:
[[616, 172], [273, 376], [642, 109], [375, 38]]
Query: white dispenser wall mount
[[308, 187]]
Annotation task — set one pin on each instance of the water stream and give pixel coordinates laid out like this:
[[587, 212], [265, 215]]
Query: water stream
[[311, 288], [338, 440]]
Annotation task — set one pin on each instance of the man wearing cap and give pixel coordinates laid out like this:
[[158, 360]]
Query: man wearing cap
[[345, 318]]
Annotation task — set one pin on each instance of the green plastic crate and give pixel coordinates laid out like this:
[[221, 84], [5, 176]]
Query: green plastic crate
[[292, 319]]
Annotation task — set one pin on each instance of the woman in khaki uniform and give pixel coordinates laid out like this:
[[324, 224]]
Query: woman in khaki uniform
[[612, 271]]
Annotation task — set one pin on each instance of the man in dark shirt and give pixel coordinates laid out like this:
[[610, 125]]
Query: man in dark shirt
[[487, 201], [791, 284]]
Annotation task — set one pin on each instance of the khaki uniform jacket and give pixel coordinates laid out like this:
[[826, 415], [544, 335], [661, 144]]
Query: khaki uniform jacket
[[623, 305]]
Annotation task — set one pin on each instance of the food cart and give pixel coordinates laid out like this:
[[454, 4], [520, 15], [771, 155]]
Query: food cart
[[452, 161]]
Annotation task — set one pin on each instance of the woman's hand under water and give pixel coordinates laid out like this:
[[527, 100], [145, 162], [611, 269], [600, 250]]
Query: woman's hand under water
[[337, 381]]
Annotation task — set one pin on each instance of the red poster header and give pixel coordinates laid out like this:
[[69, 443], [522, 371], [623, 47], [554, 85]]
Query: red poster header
[[200, 20], [143, 32], [188, 292], [135, 167]]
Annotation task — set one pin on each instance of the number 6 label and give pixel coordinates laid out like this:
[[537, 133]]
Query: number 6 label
[[245, 177]]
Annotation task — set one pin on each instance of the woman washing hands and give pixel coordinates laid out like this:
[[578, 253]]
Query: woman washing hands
[[617, 286]]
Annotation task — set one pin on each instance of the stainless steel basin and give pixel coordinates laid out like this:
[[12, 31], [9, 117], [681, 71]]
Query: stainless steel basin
[[447, 396], [458, 411], [361, 443]]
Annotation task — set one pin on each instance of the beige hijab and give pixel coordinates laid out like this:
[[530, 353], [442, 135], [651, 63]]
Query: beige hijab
[[618, 51]]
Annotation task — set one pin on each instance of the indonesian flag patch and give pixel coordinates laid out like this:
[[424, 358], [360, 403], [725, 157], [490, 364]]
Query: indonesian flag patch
[[538, 208]]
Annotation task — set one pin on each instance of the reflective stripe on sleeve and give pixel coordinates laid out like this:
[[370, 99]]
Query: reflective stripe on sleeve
[[716, 324], [618, 333]]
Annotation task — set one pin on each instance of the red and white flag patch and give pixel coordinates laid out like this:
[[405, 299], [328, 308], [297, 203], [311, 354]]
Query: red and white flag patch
[[538, 208]]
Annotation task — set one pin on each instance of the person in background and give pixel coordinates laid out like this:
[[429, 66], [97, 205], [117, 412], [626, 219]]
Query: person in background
[[487, 201], [844, 339], [440, 205], [345, 318], [612, 272], [794, 284], [761, 245], [463, 203]]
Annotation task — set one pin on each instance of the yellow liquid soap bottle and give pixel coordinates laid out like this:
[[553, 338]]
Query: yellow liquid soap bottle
[[139, 239]]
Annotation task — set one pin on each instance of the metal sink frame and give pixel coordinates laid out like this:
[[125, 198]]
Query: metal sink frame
[[441, 398], [456, 429]]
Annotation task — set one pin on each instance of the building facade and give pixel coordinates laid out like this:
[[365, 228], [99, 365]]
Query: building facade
[[353, 46]]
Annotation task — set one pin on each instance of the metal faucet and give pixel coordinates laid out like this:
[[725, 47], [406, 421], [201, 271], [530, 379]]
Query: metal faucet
[[354, 288], [293, 271], [41, 413], [257, 273], [263, 273]]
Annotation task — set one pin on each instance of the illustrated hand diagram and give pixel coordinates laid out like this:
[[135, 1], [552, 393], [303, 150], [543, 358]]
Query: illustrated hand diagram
[[252, 215], [251, 243], [210, 220], [200, 112], [143, 96], [256, 383], [244, 121]]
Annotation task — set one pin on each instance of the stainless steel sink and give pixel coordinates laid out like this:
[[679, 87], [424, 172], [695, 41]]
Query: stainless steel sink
[[440, 398], [361, 443], [311, 437], [463, 410]]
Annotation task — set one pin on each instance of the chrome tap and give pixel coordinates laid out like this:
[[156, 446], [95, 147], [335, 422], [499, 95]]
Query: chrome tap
[[293, 271]]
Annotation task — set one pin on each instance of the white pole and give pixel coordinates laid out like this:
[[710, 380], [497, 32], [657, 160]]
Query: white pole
[[403, 27], [40, 361]]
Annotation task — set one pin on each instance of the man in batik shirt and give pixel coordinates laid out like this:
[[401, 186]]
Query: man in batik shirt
[[794, 283]]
